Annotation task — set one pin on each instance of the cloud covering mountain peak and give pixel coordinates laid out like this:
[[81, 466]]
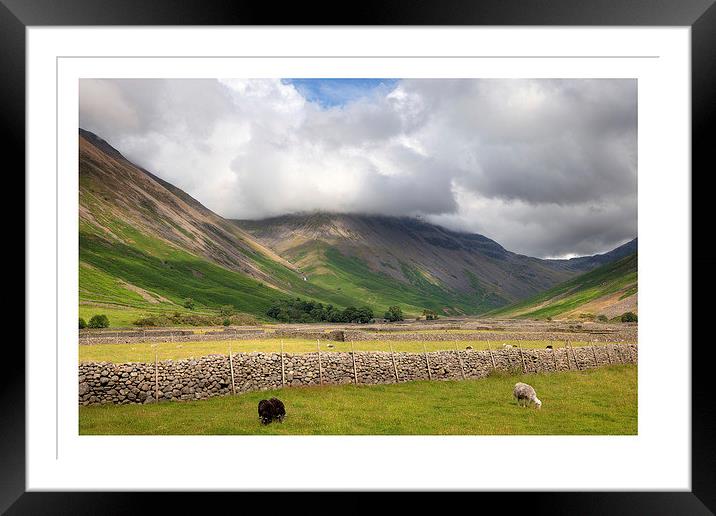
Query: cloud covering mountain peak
[[545, 167]]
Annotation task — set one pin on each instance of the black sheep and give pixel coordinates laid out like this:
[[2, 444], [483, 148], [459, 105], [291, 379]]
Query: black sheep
[[279, 408], [266, 412], [270, 410]]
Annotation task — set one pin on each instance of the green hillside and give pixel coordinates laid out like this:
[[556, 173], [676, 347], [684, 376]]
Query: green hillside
[[144, 247], [606, 289], [350, 276]]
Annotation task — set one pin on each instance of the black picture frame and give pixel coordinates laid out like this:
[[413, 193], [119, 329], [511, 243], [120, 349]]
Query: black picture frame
[[700, 15]]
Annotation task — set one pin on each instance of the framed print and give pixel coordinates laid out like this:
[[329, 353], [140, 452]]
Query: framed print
[[443, 248]]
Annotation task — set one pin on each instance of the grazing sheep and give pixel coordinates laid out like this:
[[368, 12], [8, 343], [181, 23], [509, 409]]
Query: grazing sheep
[[331, 346], [270, 410], [267, 411], [525, 394], [468, 347], [279, 408], [507, 346], [549, 346]]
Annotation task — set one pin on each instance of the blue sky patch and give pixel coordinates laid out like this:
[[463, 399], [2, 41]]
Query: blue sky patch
[[339, 92]]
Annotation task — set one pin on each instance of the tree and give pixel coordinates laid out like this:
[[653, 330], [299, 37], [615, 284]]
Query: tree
[[394, 313], [83, 324], [349, 314], [629, 317], [98, 321], [364, 315], [189, 303], [430, 315]]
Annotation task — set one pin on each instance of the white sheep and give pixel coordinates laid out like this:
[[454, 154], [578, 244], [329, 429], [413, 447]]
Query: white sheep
[[525, 394], [507, 346]]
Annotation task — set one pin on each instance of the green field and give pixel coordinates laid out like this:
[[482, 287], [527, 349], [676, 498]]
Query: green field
[[607, 279], [145, 351], [594, 402]]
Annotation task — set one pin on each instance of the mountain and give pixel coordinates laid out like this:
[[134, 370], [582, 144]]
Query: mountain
[[385, 260], [146, 246], [586, 263], [608, 290]]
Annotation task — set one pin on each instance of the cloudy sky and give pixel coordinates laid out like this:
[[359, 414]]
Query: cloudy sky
[[544, 167]]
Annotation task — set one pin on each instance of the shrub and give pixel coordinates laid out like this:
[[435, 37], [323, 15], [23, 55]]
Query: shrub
[[227, 322], [629, 317], [430, 315], [226, 311], [189, 303], [83, 324], [98, 321], [394, 313], [602, 318], [148, 320]]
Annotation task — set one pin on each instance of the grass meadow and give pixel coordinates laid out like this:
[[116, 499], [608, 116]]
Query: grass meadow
[[593, 402], [145, 351]]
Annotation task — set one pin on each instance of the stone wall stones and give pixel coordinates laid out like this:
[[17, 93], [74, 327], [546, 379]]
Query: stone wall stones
[[177, 380]]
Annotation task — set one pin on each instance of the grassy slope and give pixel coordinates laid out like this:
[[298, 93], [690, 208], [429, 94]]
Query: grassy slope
[[165, 271], [596, 402], [342, 276], [620, 276]]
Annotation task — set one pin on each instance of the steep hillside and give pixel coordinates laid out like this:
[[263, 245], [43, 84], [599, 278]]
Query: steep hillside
[[382, 259], [609, 290], [148, 245]]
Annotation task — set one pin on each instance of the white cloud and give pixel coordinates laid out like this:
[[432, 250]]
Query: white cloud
[[545, 167]]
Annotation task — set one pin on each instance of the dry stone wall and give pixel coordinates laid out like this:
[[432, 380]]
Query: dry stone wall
[[348, 335], [177, 380]]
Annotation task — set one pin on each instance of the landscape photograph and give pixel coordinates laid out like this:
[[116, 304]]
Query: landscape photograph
[[358, 256]]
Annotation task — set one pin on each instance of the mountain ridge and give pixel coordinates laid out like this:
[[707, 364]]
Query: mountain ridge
[[147, 244]]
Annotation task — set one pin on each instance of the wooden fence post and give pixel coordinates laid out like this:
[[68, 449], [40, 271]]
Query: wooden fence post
[[609, 356], [492, 357], [320, 369], [462, 367], [156, 377], [574, 354], [395, 367], [427, 362], [619, 352], [522, 357], [355, 371], [594, 354], [283, 371], [231, 366], [554, 359], [566, 351]]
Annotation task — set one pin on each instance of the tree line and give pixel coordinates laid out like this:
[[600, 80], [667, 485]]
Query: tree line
[[299, 310]]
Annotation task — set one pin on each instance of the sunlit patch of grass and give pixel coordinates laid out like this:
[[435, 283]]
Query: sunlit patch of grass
[[145, 351]]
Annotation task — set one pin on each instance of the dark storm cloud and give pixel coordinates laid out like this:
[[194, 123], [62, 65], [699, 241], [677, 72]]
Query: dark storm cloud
[[545, 167]]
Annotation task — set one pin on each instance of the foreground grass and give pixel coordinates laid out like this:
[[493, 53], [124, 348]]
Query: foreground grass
[[595, 402], [145, 351]]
